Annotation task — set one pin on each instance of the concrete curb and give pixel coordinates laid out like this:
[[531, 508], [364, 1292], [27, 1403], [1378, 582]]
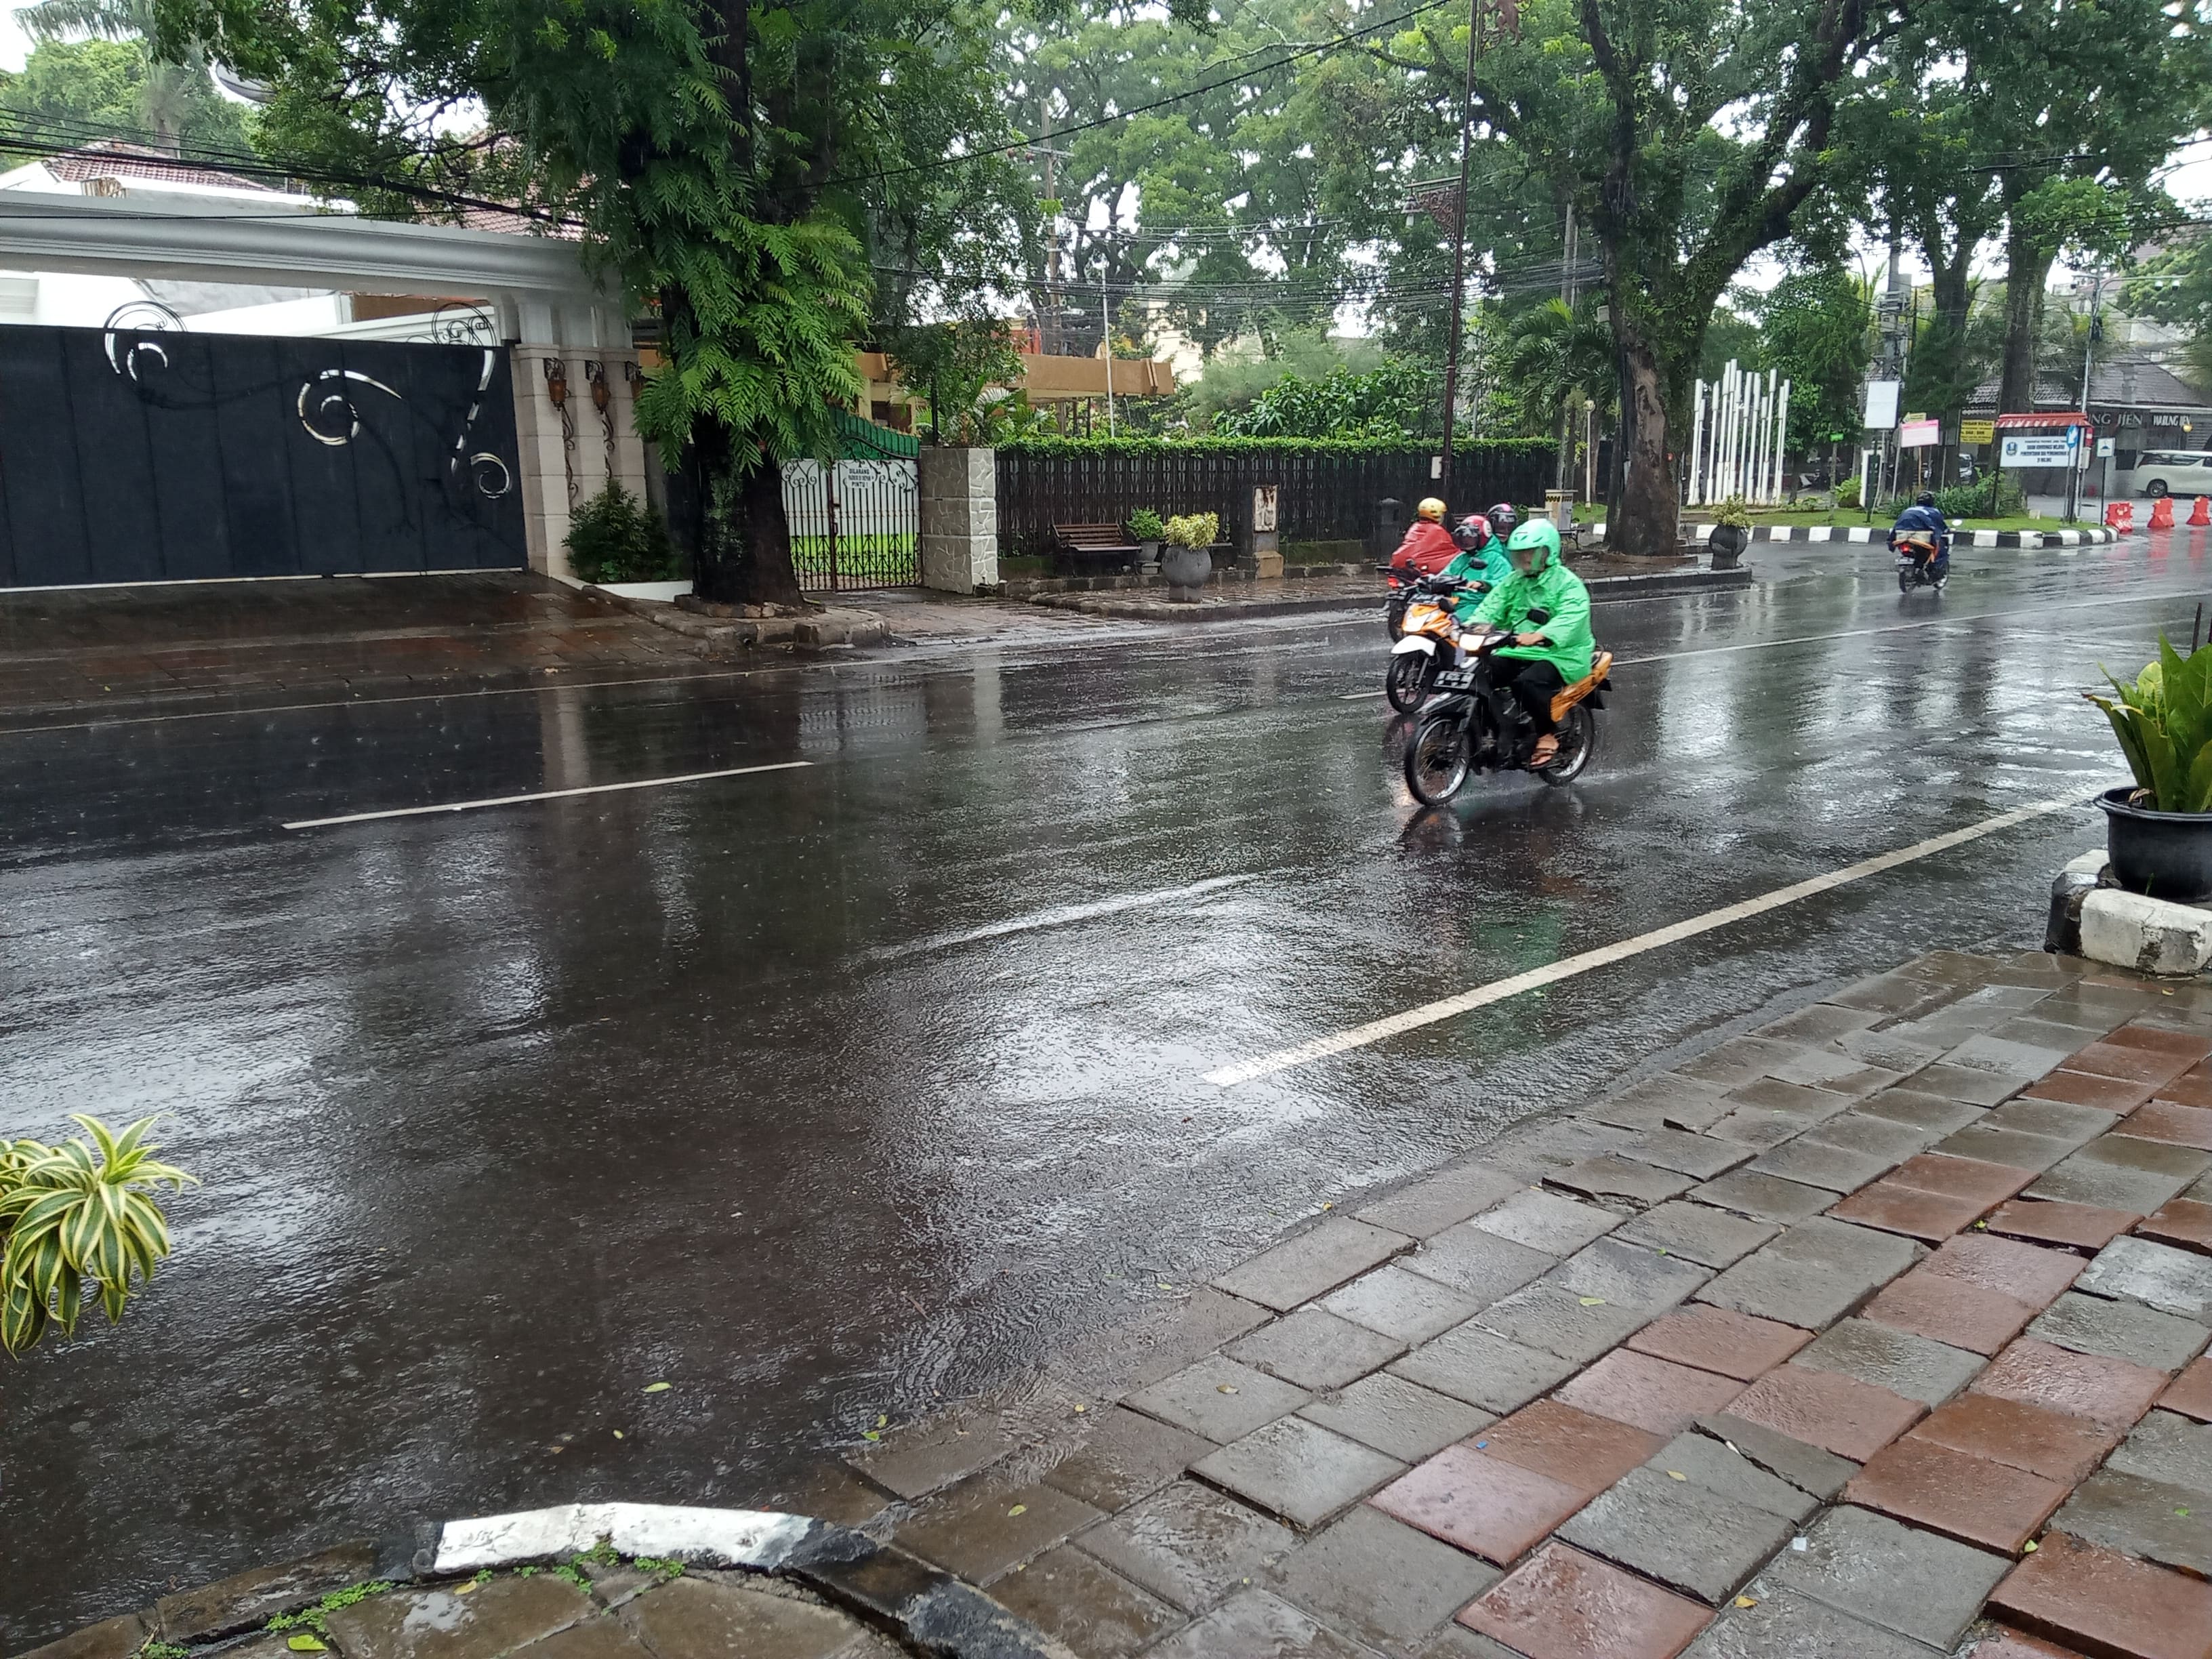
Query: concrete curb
[[719, 637], [1603, 590], [2091, 917], [2095, 536]]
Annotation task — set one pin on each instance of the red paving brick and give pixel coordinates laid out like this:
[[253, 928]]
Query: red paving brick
[[2163, 1120], [2011, 1644], [1652, 1393], [2026, 1272], [1962, 1177], [2129, 1063], [2192, 1088], [1715, 1339], [1951, 1310], [2110, 1094], [1566, 1605], [2106, 1604], [1897, 1208], [2181, 1221], [2057, 1445], [1578, 1448], [2191, 1392], [1827, 1409], [1495, 1510], [2185, 1046], [2051, 1221], [2111, 1391], [1963, 1496]]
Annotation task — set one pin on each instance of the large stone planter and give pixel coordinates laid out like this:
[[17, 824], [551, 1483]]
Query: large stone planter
[[959, 491], [1187, 570]]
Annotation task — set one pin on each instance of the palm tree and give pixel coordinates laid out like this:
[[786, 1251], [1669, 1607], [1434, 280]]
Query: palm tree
[[1557, 359], [166, 93]]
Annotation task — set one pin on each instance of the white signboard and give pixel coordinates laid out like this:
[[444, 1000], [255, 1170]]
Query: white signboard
[[1263, 508], [2036, 449], [1919, 434], [1881, 404], [2104, 446]]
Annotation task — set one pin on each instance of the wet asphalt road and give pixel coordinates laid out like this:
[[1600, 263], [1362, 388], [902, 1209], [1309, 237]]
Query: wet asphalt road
[[831, 1092]]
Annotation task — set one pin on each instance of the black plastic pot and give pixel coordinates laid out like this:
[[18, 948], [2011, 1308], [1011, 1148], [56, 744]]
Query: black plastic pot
[[2167, 855], [1728, 542]]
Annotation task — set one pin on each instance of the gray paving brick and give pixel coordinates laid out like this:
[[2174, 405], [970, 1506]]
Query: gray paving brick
[[1692, 1538], [1203, 1323], [1764, 1197], [1738, 1060], [2020, 1062], [2054, 1119], [2007, 1146], [1431, 1205], [1761, 1128], [1577, 1327], [1478, 1263], [1378, 1580], [1795, 1100], [1834, 1070], [1219, 1399], [2169, 1447], [1313, 1262], [1962, 1083], [1256, 1623], [1933, 1113], [1709, 1465], [1821, 1474], [1781, 1624], [1888, 1048], [2120, 1330], [1484, 1368], [1702, 1156], [1126, 1457], [2120, 1172], [2158, 1275], [1613, 1176], [1913, 1366], [1815, 1162], [1298, 1470], [2142, 1515], [1402, 1418], [1698, 1232], [1910, 1582], [1819, 1022], [1627, 1273], [1401, 1304], [1545, 1221], [1668, 1101], [1187, 1544], [1813, 1275], [1313, 1349]]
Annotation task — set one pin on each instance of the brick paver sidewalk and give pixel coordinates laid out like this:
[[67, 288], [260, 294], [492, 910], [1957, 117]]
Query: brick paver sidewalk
[[1837, 1339]]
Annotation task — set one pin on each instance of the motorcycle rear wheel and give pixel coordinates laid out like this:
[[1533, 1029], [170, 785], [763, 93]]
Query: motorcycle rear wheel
[[1904, 580], [1577, 738], [1438, 759], [1407, 682]]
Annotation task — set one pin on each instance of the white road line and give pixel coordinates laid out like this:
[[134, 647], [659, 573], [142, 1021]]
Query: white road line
[[1062, 915], [542, 794], [1360, 1036]]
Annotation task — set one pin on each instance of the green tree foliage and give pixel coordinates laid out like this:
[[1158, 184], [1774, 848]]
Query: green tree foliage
[[1233, 378], [1395, 399], [1816, 331], [747, 170], [91, 76]]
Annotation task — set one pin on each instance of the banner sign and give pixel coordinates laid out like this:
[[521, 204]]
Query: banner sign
[[1978, 432], [2037, 449], [1919, 434]]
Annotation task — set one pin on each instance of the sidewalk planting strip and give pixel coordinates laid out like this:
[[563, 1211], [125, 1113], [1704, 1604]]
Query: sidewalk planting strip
[[1560, 1402]]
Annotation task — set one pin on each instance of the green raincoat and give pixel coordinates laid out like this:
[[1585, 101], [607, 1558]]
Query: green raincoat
[[1567, 645]]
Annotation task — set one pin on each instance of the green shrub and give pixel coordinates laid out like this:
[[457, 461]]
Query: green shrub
[[1733, 511], [71, 1220], [1847, 493], [615, 538], [1194, 530], [2164, 722], [1963, 501], [1144, 526]]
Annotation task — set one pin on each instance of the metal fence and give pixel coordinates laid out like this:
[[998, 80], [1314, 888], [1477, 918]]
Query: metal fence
[[853, 524], [1321, 496]]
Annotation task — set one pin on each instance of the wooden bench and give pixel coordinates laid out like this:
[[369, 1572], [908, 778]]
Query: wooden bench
[[1091, 548]]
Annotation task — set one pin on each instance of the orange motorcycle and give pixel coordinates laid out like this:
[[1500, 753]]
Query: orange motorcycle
[[1429, 641]]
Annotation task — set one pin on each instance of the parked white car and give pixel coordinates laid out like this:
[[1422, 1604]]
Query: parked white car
[[2166, 473]]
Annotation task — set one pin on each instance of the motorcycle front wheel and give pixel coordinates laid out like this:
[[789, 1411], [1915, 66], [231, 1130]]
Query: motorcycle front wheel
[[1406, 683], [1577, 738], [1438, 759]]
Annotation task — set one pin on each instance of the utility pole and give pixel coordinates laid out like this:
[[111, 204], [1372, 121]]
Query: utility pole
[[1106, 340], [1567, 299], [2088, 358], [1890, 311], [1459, 241]]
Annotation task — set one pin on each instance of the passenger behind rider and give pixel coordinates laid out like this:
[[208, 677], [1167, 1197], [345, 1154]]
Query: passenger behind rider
[[1481, 563], [1428, 546], [1923, 518], [1551, 654]]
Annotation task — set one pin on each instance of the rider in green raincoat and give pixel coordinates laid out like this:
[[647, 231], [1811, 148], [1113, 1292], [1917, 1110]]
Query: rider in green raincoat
[[1553, 653]]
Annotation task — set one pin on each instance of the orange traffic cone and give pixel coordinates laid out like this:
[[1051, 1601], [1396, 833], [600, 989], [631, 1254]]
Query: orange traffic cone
[[2161, 514], [2201, 513], [2120, 516]]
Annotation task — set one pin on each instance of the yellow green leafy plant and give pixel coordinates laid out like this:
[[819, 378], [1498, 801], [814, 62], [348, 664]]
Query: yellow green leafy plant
[[1194, 529], [2163, 719], [77, 1218]]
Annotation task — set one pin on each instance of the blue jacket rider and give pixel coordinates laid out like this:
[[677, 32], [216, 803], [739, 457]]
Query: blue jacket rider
[[1923, 517]]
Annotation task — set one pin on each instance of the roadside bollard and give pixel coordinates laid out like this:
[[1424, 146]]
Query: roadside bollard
[[2201, 512], [2161, 514]]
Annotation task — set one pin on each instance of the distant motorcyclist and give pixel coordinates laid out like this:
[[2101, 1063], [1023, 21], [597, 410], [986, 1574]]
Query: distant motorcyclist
[[1428, 546], [1554, 653], [1504, 520], [1923, 522]]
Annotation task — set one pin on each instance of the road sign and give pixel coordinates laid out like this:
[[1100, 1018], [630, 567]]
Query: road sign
[[1919, 433], [2035, 449], [2104, 446], [1881, 404], [2073, 437], [1978, 432]]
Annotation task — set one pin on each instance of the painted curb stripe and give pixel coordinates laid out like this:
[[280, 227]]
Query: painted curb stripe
[[1359, 1036], [542, 794]]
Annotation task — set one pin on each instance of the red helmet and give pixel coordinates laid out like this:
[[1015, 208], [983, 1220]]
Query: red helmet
[[1471, 532]]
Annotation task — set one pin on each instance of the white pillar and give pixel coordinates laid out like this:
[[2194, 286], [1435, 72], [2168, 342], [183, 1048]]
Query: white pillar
[[1696, 448], [1780, 439]]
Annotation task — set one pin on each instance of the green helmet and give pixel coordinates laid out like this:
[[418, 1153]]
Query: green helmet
[[1535, 547]]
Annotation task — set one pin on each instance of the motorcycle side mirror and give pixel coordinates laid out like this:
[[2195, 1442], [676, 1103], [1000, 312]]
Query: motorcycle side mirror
[[1539, 614]]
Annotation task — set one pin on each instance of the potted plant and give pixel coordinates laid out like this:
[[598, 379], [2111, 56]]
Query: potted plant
[[1731, 533], [1146, 531], [1188, 560], [2160, 832]]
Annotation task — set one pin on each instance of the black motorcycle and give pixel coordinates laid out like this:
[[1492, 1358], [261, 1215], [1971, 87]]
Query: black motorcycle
[[1479, 725], [1916, 553]]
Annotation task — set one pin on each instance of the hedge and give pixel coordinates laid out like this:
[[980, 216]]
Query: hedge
[[1052, 447]]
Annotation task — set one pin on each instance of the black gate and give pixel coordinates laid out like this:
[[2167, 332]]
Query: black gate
[[854, 524], [137, 456]]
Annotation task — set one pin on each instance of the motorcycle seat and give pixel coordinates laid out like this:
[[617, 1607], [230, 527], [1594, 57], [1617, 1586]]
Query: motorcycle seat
[[1600, 666]]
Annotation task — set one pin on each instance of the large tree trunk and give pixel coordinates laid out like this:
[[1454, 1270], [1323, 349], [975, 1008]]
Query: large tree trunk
[[1649, 521], [735, 529], [2027, 269]]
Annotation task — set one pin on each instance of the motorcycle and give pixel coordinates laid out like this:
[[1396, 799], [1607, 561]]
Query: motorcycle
[[1479, 725], [1428, 639], [1916, 558], [1468, 534]]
